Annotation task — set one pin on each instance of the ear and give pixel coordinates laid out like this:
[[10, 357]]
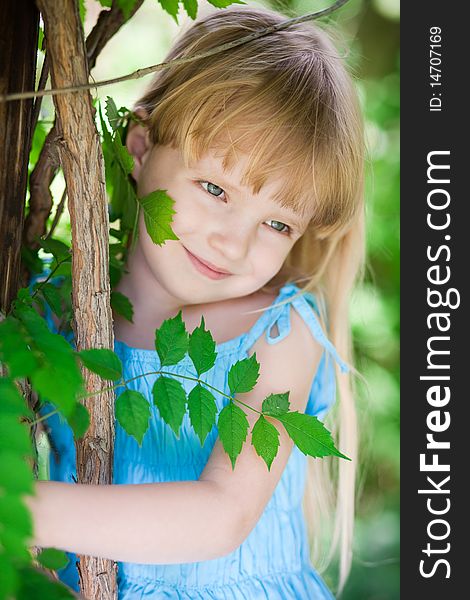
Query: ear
[[138, 143]]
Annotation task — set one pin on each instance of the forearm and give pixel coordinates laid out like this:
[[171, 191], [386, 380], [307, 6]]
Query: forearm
[[157, 523]]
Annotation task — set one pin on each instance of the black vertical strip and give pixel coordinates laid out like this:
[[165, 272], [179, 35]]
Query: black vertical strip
[[435, 252]]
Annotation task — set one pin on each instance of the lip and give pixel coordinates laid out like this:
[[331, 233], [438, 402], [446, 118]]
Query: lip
[[206, 268]]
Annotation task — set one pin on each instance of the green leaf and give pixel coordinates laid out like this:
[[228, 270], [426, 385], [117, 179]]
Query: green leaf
[[243, 375], [133, 414], [122, 305], [171, 340], [126, 6], [15, 547], [40, 38], [158, 212], [51, 558], [202, 410], [224, 3], [9, 580], [106, 3], [103, 362], [170, 399], [14, 436], [35, 584], [11, 401], [82, 11], [15, 516], [171, 7], [233, 428], [79, 420], [191, 8], [309, 434], [202, 349], [265, 439], [14, 349], [16, 476], [276, 404], [53, 298], [55, 247], [122, 154], [112, 113], [58, 377], [24, 296]]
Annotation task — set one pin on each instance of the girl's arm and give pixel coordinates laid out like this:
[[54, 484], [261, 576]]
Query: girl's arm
[[187, 521]]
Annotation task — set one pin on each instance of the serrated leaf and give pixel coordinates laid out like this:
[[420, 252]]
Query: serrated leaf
[[265, 439], [82, 11], [243, 375], [133, 413], [9, 580], [171, 7], [172, 340], [16, 476], [126, 6], [15, 515], [11, 401], [112, 113], [233, 428], [309, 434], [24, 296], [35, 584], [15, 547], [58, 376], [79, 420], [122, 305], [103, 362], [202, 410], [122, 154], [191, 8], [158, 216], [224, 3], [55, 247], [51, 558], [276, 404], [202, 349], [14, 349], [14, 436], [170, 399], [53, 298]]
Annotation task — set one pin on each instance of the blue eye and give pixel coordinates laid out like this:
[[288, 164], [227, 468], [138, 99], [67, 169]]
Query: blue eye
[[212, 189], [278, 226]]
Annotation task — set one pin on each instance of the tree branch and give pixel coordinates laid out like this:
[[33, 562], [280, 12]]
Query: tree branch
[[178, 61], [82, 161]]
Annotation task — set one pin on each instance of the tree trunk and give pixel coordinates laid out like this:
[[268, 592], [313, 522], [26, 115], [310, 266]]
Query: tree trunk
[[82, 162], [19, 26]]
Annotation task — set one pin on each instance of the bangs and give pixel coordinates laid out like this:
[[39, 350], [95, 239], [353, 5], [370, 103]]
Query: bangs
[[285, 102]]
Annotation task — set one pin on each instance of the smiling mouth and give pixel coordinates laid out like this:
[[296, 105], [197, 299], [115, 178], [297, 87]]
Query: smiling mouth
[[206, 268]]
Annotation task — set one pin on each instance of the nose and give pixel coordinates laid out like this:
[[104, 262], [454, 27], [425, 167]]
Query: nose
[[231, 241]]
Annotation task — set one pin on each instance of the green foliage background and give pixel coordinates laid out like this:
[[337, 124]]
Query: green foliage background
[[369, 34]]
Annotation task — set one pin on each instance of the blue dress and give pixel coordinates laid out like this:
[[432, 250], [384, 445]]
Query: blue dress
[[273, 562]]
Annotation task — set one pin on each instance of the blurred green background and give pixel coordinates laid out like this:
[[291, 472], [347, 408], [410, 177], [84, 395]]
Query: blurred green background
[[368, 31]]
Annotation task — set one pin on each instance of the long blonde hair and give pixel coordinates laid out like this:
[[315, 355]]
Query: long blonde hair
[[287, 101]]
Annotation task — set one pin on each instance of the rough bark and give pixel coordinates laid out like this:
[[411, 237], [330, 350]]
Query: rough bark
[[82, 161], [19, 27]]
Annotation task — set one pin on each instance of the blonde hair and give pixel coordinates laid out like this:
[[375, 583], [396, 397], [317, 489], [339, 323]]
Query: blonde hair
[[287, 101]]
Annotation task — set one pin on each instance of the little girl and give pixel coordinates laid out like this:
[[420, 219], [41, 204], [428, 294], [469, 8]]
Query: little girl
[[261, 149]]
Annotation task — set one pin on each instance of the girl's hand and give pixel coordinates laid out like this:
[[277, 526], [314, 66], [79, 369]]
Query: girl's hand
[[184, 521]]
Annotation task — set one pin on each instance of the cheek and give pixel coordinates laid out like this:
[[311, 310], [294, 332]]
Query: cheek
[[269, 257]]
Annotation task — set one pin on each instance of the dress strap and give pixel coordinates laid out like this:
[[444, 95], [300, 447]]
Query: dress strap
[[280, 316]]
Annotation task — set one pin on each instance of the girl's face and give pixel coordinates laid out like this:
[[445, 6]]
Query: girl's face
[[218, 222]]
